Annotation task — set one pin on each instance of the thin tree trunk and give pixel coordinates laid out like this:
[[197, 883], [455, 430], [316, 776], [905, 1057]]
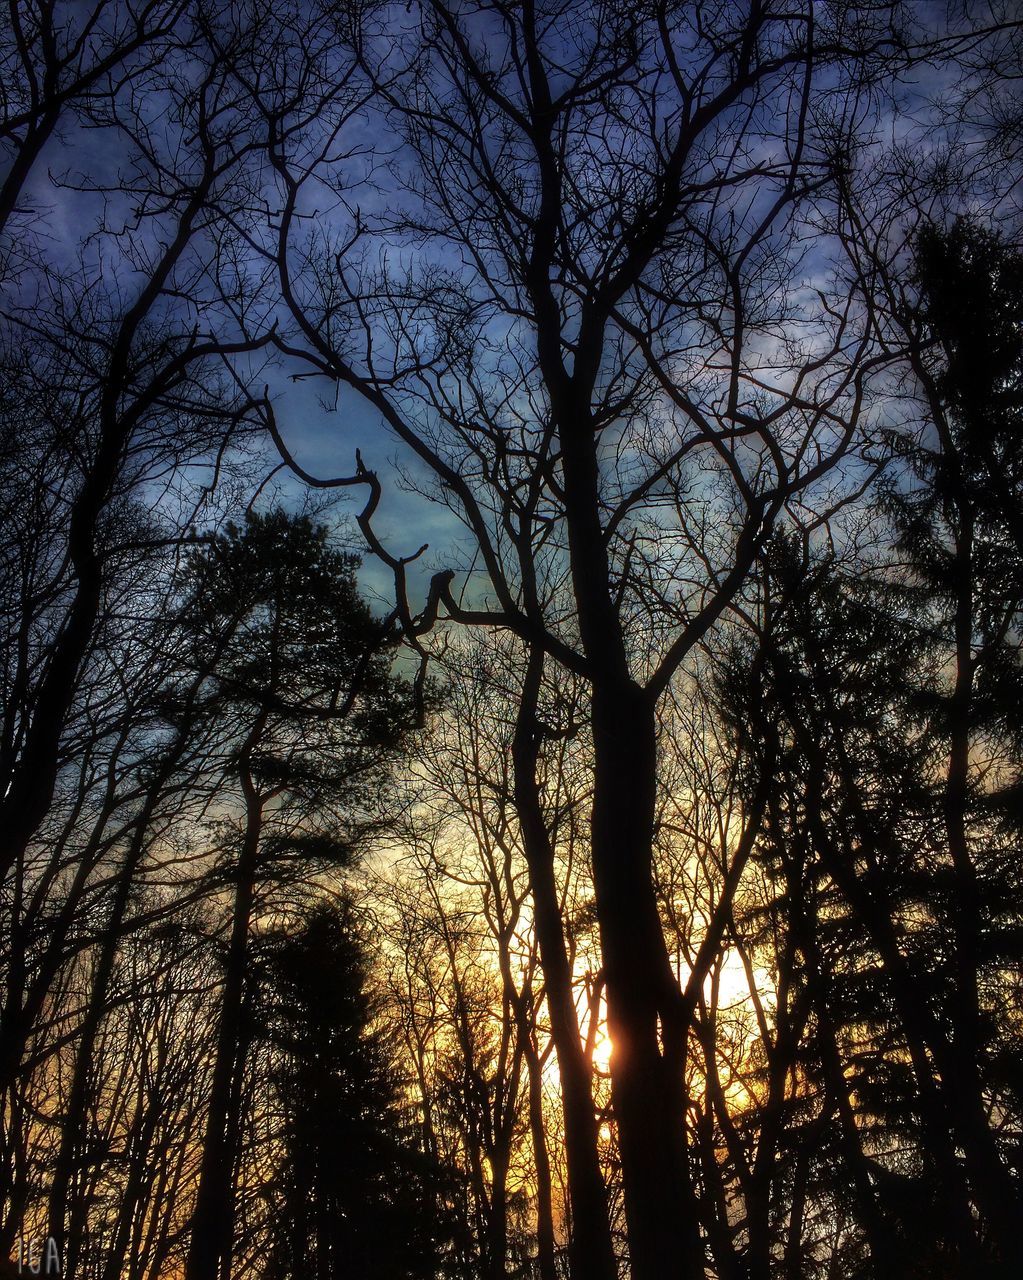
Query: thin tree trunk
[[73, 1122], [997, 1197], [938, 1109], [27, 154], [591, 1253], [546, 1268], [931, 1095], [794, 1253], [212, 1220], [116, 1247], [28, 792], [497, 1214]]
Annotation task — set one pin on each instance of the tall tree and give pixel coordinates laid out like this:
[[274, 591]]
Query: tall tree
[[608, 204], [311, 716], [962, 531], [353, 1190]]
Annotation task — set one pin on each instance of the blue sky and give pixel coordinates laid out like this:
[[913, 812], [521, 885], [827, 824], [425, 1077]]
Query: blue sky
[[324, 438]]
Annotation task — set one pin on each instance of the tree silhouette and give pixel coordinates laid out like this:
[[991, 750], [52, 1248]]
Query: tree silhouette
[[309, 718], [889, 719], [685, 938], [353, 1192]]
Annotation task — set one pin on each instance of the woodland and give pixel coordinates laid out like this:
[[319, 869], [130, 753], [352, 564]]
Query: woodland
[[511, 587]]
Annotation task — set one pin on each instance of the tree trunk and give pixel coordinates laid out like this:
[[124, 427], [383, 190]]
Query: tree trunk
[[27, 154], [996, 1195], [545, 1264], [645, 1020], [73, 1123], [497, 1215], [212, 1221], [591, 1252]]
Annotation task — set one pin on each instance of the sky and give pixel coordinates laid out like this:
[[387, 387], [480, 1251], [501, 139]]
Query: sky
[[324, 437]]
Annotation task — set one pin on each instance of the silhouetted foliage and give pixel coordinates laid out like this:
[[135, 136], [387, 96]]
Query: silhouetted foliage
[[683, 938], [352, 1191]]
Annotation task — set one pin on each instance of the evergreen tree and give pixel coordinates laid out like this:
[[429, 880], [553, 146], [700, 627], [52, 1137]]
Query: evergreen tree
[[308, 717], [816, 703], [887, 706], [355, 1195]]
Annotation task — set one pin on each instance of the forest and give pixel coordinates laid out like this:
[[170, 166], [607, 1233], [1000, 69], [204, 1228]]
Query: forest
[[511, 605]]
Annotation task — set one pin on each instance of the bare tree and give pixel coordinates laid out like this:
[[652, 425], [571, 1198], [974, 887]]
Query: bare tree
[[605, 362], [61, 64], [126, 382]]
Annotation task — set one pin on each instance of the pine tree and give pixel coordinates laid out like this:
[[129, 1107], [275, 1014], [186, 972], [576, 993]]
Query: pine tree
[[886, 700], [308, 717], [355, 1195]]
